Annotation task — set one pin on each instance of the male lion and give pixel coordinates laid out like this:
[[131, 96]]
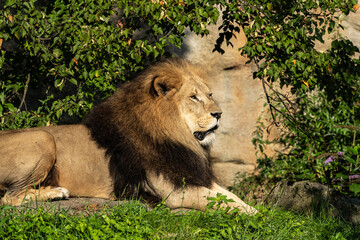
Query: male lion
[[151, 136]]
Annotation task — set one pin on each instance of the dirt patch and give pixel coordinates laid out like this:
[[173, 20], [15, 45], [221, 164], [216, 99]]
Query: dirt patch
[[76, 206], [88, 206]]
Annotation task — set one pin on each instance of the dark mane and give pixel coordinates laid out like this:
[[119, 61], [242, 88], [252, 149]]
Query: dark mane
[[126, 124]]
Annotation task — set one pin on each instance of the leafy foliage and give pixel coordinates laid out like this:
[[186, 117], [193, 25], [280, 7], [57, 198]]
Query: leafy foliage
[[321, 115], [319, 143], [281, 39], [72, 54]]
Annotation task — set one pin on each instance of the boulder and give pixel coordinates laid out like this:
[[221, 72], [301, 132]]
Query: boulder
[[312, 197]]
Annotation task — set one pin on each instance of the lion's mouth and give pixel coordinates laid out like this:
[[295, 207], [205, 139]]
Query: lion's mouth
[[201, 135]]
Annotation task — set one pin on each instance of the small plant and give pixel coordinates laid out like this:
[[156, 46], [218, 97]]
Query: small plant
[[218, 203], [336, 166]]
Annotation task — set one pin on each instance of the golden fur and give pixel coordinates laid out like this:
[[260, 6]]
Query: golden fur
[[152, 136]]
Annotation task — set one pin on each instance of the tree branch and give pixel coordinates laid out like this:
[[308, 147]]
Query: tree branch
[[24, 95]]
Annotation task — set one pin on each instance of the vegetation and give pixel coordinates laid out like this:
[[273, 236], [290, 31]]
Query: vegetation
[[320, 119], [133, 220], [59, 58]]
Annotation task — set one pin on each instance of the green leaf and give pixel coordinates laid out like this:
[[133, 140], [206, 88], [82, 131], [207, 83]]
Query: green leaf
[[354, 150], [2, 97], [73, 81], [10, 107], [355, 188], [331, 26], [58, 113], [57, 53]]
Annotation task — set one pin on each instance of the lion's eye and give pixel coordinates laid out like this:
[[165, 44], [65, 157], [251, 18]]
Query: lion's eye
[[193, 97], [210, 95]]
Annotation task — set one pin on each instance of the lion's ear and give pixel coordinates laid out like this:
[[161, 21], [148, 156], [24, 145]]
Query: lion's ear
[[164, 86]]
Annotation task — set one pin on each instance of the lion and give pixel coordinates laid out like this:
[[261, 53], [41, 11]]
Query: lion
[[152, 136]]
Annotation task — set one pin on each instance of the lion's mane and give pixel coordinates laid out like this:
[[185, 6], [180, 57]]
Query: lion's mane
[[144, 132]]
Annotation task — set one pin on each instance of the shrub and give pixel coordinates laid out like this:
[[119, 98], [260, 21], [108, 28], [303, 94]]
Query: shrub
[[60, 57], [320, 118]]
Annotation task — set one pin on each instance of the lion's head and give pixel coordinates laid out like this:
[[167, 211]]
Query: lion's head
[[164, 120], [183, 85], [199, 110]]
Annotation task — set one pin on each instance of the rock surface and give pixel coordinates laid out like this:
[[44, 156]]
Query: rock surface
[[311, 197], [352, 27]]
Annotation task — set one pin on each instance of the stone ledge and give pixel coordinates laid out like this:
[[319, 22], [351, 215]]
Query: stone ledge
[[311, 197]]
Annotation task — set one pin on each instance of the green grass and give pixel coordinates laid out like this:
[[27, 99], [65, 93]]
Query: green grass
[[133, 220]]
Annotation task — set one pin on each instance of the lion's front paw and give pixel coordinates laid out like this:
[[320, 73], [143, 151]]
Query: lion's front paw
[[61, 193], [251, 211]]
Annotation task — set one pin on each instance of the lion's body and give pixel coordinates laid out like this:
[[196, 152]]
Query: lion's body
[[76, 161], [151, 136]]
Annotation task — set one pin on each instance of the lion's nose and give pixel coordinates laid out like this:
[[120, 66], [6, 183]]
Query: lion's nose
[[216, 115]]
